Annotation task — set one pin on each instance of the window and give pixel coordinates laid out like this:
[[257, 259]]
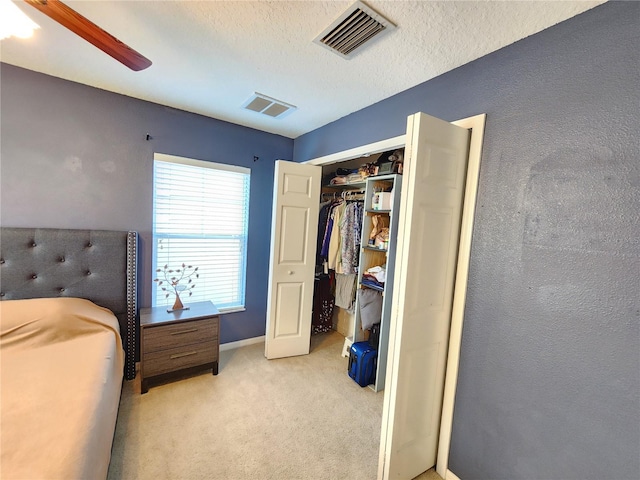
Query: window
[[200, 219]]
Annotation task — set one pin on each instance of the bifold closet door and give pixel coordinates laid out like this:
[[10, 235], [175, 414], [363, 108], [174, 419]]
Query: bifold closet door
[[294, 230], [435, 165]]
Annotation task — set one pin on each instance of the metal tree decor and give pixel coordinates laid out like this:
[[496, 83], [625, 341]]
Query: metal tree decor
[[171, 281]]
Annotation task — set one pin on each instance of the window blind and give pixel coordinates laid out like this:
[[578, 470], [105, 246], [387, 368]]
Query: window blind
[[201, 213]]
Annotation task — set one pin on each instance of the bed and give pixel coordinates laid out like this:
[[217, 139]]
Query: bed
[[67, 338]]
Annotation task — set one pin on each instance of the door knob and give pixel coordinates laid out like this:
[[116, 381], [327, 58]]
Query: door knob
[[290, 272]]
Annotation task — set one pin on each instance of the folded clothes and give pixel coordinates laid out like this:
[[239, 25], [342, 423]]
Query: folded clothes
[[345, 171], [346, 179], [370, 281], [379, 272]]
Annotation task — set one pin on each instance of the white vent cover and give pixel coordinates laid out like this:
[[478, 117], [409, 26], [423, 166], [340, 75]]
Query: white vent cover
[[355, 27], [268, 106]]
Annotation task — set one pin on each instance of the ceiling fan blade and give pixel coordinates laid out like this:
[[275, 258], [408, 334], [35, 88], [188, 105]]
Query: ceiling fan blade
[[91, 32]]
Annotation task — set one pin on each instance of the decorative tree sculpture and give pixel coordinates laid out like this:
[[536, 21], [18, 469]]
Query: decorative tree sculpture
[[176, 281]]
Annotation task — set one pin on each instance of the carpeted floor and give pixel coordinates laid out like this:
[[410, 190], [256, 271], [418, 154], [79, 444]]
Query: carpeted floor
[[288, 419]]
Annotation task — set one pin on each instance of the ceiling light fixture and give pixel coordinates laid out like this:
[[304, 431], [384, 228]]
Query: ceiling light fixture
[[14, 22]]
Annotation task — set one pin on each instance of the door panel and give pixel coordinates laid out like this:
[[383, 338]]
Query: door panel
[[441, 169], [433, 227], [288, 309], [431, 206], [294, 235], [294, 229], [414, 428]]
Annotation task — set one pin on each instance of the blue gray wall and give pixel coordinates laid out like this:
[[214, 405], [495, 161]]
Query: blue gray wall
[[549, 375], [77, 157], [549, 379]]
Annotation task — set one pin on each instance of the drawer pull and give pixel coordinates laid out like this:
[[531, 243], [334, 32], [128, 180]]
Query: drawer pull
[[185, 331], [180, 355]]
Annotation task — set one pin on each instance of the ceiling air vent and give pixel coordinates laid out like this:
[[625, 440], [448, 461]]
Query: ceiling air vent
[[351, 30], [268, 106]]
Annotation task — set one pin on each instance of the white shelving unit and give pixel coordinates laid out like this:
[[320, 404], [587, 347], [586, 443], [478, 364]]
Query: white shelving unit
[[371, 256]]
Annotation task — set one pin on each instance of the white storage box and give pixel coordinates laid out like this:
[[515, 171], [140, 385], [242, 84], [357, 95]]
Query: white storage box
[[381, 201]]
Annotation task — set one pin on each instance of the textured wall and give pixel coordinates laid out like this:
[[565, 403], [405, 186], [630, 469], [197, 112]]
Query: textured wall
[[76, 157], [549, 376]]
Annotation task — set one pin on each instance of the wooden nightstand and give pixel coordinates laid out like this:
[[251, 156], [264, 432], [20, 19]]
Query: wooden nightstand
[[177, 342]]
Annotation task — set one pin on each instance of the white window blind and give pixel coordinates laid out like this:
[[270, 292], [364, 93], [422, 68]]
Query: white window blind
[[201, 216]]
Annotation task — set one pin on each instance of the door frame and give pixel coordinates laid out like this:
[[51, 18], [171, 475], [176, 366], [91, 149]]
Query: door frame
[[476, 125]]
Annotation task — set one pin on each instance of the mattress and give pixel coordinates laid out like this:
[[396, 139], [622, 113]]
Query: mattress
[[61, 378]]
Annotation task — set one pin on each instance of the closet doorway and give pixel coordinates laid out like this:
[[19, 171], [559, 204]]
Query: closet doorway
[[436, 216]]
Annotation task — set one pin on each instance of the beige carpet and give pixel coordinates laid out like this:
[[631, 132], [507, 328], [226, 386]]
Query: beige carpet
[[288, 419]]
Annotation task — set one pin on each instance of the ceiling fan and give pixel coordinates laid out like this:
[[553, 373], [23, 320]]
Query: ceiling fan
[[80, 25]]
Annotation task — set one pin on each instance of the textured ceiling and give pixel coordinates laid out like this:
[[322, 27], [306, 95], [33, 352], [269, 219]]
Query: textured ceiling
[[209, 57]]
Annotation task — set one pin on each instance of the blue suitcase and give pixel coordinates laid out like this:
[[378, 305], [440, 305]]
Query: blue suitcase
[[363, 362]]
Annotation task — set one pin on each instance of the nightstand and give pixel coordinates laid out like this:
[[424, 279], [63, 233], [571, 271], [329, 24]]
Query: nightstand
[[174, 343]]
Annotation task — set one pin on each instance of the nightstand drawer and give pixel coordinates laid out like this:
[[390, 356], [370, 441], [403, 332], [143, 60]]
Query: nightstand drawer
[[173, 359], [166, 336]]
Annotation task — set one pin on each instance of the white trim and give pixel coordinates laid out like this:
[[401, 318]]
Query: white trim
[[362, 151], [241, 343], [451, 476], [476, 125], [163, 157]]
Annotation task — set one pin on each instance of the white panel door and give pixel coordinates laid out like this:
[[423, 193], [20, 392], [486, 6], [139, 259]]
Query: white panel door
[[294, 229], [428, 235]]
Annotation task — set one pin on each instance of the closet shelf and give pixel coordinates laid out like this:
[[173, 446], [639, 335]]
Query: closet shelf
[[377, 211], [372, 287], [347, 185], [375, 249]]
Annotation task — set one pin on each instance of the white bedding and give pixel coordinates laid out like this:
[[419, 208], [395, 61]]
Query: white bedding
[[61, 376]]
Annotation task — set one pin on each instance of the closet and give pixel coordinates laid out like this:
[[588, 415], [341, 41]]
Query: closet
[[429, 230], [362, 294]]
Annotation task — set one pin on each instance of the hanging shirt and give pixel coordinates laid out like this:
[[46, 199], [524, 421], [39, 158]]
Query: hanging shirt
[[325, 209], [345, 291], [350, 227], [324, 252], [334, 257]]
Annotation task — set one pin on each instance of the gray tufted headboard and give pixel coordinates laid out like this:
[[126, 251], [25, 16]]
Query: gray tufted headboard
[[98, 265]]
